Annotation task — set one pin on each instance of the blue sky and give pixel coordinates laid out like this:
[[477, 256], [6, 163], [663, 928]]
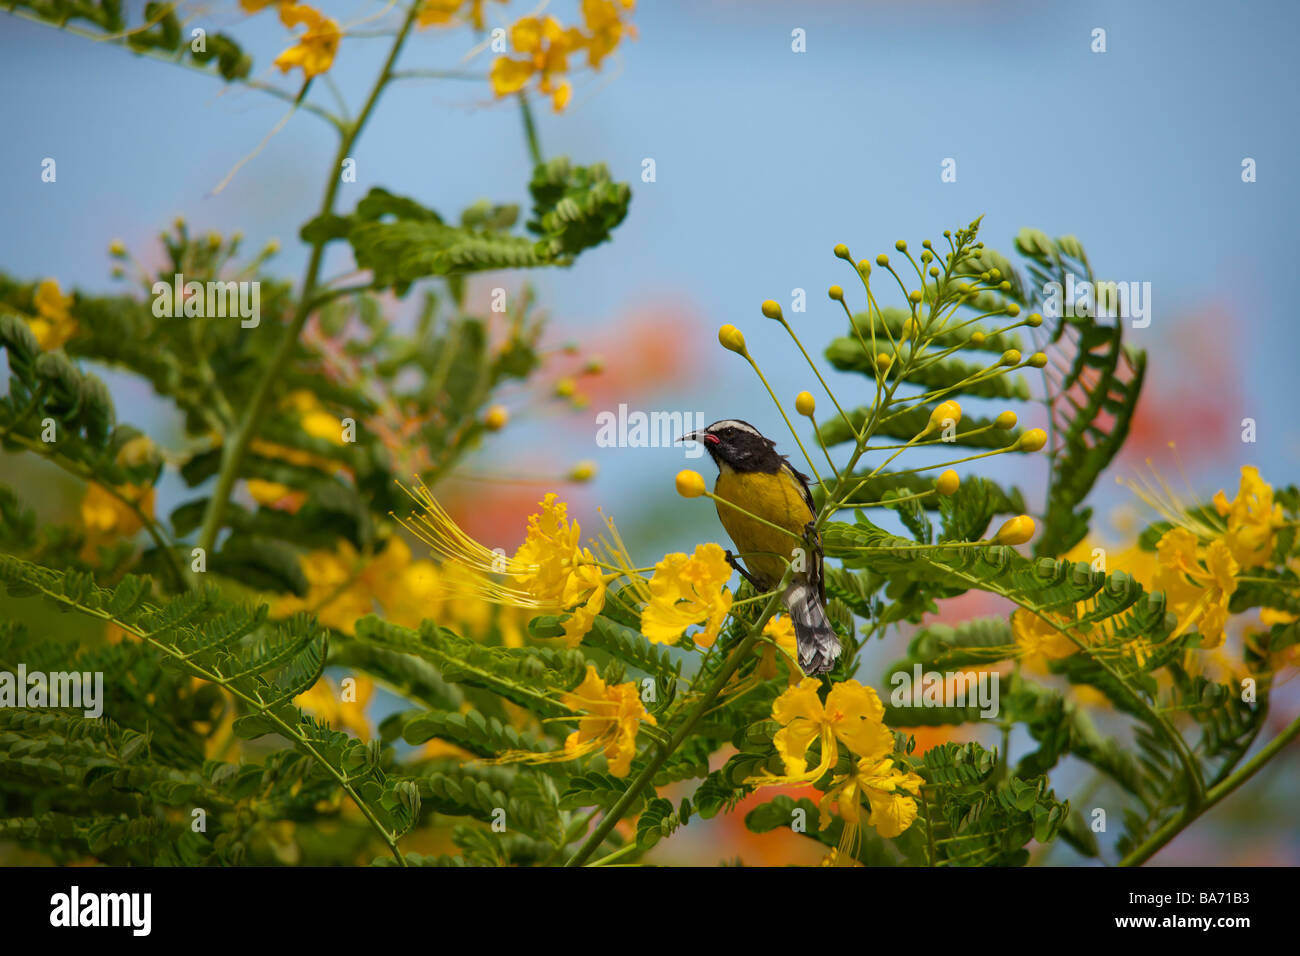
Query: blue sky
[[765, 158]]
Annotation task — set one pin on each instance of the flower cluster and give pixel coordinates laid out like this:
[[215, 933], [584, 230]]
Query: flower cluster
[[852, 717], [545, 46]]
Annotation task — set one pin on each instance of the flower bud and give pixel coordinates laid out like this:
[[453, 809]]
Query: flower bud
[[805, 404], [1006, 421], [1032, 440], [496, 418], [690, 484], [1038, 359], [943, 412], [1017, 530], [842, 252], [947, 482], [836, 293], [772, 309], [1011, 357], [733, 339]]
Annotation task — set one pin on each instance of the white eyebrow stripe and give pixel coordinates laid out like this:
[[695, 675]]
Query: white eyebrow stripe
[[732, 423]]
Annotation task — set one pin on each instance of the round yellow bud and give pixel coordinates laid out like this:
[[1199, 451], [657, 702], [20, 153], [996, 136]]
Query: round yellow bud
[[947, 483], [1034, 320], [1032, 440], [117, 248], [733, 339], [915, 295], [842, 251], [496, 418], [864, 267], [882, 260], [995, 273], [566, 387], [772, 309], [909, 327], [977, 338], [1013, 310], [836, 293], [1017, 530], [883, 362], [944, 412], [690, 484], [805, 404], [583, 471], [272, 247], [1038, 359], [594, 366], [1005, 421], [1011, 357], [901, 245]]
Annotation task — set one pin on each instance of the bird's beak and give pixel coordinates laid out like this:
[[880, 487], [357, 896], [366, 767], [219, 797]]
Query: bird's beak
[[700, 436]]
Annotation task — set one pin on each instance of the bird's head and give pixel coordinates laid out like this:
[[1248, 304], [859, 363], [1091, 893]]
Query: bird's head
[[737, 446]]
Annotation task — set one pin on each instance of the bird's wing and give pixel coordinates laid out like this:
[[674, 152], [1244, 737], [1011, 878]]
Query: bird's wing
[[816, 573]]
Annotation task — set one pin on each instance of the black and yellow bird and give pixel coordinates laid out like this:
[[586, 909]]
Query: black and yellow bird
[[753, 476]]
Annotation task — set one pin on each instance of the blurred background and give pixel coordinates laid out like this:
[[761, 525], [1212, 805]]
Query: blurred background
[[764, 159]]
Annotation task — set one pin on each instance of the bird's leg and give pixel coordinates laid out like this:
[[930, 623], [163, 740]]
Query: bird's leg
[[731, 560]]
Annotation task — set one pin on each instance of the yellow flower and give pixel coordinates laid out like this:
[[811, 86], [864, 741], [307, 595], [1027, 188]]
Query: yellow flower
[[685, 591], [780, 629], [886, 789], [443, 12], [546, 46], [53, 324], [1252, 519], [604, 20], [585, 594], [1037, 641], [1203, 602], [315, 50], [325, 702], [105, 515], [550, 553], [614, 716], [852, 716]]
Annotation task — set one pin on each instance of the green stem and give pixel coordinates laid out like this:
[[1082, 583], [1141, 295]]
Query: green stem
[[1187, 815], [644, 778], [234, 452]]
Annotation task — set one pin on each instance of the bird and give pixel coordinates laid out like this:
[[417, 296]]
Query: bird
[[757, 478]]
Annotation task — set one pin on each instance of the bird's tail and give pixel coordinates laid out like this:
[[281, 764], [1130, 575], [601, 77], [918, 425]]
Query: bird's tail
[[818, 645]]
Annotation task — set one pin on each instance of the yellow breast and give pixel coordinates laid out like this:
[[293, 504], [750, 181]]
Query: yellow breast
[[775, 498]]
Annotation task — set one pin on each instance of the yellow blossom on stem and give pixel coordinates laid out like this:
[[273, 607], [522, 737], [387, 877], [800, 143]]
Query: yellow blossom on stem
[[316, 47], [685, 591], [1253, 519], [1203, 602], [886, 789], [614, 716], [1038, 641], [53, 324], [780, 630], [852, 716], [545, 46]]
